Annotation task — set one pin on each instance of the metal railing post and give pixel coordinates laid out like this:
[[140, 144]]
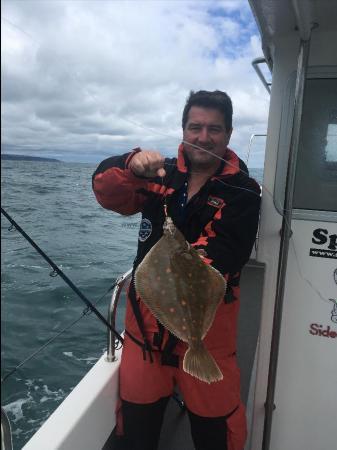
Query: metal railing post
[[110, 357], [250, 145], [255, 64], [6, 434]]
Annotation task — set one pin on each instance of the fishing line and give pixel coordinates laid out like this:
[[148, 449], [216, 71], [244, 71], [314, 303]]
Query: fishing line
[[218, 179], [18, 28], [57, 270], [11, 372], [87, 311]]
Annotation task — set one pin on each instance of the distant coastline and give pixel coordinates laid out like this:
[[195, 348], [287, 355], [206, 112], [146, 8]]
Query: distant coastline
[[9, 156]]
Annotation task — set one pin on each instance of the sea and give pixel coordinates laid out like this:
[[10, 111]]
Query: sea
[[54, 204]]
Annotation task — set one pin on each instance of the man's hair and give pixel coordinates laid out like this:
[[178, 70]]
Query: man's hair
[[216, 100]]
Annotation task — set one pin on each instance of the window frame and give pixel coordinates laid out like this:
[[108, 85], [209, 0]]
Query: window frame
[[314, 72]]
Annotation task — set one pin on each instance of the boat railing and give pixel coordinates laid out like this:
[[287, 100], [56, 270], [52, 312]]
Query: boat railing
[[252, 137], [6, 435], [255, 64], [120, 283]]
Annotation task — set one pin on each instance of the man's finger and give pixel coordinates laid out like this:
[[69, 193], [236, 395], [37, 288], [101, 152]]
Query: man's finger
[[137, 167], [148, 163], [161, 172]]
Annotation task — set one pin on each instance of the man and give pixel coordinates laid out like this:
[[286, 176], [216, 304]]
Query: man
[[215, 204]]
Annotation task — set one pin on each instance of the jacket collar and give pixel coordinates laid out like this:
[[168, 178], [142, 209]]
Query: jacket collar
[[230, 167]]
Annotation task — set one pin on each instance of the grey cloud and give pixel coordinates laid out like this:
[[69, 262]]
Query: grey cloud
[[79, 76]]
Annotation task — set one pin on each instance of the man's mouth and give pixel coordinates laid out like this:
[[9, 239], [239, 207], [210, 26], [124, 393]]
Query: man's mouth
[[206, 148]]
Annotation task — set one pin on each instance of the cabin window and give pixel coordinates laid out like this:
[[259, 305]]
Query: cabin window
[[331, 144], [316, 170]]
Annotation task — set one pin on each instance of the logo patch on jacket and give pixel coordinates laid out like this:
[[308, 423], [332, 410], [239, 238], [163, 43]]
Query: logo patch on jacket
[[215, 201], [145, 230]]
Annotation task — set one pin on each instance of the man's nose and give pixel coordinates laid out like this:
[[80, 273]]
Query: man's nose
[[203, 135]]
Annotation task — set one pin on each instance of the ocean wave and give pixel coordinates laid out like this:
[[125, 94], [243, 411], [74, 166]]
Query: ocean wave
[[43, 190], [87, 216], [24, 266], [14, 409], [29, 410], [90, 360]]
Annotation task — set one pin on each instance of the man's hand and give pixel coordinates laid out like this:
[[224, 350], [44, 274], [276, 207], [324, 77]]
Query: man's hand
[[148, 164]]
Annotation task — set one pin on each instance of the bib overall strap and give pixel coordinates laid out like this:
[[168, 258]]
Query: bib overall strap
[[168, 358], [158, 337], [146, 346]]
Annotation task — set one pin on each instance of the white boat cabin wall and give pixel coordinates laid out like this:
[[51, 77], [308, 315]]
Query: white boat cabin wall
[[305, 383]]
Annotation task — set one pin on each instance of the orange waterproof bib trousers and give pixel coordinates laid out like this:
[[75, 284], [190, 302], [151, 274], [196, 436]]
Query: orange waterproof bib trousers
[[216, 414]]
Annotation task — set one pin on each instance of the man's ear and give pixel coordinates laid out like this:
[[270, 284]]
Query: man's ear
[[229, 134]]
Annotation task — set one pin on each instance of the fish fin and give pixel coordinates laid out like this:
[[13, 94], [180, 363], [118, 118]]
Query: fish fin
[[199, 363]]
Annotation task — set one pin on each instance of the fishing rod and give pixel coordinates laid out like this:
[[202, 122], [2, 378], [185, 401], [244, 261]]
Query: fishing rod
[[58, 271]]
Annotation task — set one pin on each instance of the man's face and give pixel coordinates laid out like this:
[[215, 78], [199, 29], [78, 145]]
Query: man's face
[[205, 128]]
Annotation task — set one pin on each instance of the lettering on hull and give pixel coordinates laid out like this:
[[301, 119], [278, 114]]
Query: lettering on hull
[[321, 236], [318, 330], [323, 253]]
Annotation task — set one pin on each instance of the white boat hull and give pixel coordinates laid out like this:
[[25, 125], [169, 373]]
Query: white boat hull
[[86, 417]]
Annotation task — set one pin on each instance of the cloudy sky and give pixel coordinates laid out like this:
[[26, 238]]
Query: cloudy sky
[[83, 80]]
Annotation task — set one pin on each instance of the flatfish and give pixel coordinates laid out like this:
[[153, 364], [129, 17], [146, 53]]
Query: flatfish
[[183, 293]]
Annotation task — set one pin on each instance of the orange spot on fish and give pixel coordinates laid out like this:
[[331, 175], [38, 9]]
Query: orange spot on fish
[[168, 270], [184, 328], [172, 310], [183, 303]]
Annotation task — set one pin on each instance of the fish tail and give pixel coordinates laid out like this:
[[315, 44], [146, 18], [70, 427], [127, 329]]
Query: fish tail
[[199, 363]]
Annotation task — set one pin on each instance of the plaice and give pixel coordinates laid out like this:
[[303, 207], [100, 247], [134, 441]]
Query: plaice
[[183, 293]]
